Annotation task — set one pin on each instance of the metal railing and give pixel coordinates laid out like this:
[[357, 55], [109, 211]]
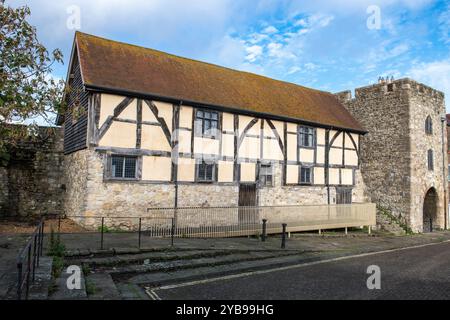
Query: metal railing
[[28, 261], [246, 221], [220, 222]]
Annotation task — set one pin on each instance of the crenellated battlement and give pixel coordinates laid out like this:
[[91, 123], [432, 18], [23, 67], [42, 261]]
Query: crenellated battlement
[[387, 87]]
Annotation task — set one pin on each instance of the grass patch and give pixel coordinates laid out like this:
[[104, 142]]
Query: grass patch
[[57, 250], [90, 287]]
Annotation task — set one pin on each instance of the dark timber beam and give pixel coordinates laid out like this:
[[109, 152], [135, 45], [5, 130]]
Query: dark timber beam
[[161, 120], [117, 110]]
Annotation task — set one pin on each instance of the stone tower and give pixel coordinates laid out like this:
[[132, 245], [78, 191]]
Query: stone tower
[[403, 156]]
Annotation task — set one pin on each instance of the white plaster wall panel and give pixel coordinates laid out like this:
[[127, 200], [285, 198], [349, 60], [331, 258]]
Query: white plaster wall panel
[[320, 136], [244, 121], [165, 110], [351, 158], [120, 135], [307, 155], [319, 176], [206, 146], [130, 112], [271, 150], [335, 156], [320, 157], [338, 140], [186, 170], [184, 141], [334, 176], [147, 114], [156, 168], [347, 176], [248, 172], [186, 117], [228, 145], [291, 127], [227, 121], [153, 138], [249, 148], [107, 105], [292, 147], [226, 169], [291, 174]]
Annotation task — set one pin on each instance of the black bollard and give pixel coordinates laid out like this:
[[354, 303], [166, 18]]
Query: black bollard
[[139, 231], [264, 230], [283, 236]]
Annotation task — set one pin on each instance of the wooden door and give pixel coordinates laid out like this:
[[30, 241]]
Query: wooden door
[[248, 214]]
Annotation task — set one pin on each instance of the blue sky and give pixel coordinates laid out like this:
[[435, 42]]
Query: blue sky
[[321, 44]]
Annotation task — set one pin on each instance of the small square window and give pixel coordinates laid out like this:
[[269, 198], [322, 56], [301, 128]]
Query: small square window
[[206, 171], [390, 87], [305, 176], [123, 167], [266, 175]]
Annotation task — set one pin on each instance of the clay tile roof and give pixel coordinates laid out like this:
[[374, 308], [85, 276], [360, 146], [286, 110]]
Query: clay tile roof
[[115, 65]]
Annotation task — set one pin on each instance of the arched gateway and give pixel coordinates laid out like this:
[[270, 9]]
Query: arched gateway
[[430, 210]]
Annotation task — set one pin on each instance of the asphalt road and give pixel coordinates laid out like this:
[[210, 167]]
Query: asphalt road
[[418, 273]]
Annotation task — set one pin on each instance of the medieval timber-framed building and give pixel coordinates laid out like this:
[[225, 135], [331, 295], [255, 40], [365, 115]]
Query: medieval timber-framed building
[[149, 129]]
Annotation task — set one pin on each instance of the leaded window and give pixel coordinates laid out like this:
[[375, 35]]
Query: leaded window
[[305, 175], [206, 123], [123, 167], [206, 171], [306, 137]]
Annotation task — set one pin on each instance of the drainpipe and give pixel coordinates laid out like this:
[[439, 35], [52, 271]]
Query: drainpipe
[[444, 165]]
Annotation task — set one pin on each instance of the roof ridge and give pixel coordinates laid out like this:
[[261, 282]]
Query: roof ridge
[[199, 61]]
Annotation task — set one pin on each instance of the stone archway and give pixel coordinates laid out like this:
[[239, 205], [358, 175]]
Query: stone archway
[[430, 210]]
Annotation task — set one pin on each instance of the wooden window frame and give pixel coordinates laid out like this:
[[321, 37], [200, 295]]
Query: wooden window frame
[[110, 174], [263, 181], [344, 192], [306, 183], [300, 135], [213, 174], [199, 121]]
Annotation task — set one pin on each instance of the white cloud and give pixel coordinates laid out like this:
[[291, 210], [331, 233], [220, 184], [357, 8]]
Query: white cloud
[[253, 53], [294, 69], [270, 30], [318, 20], [444, 25], [435, 74]]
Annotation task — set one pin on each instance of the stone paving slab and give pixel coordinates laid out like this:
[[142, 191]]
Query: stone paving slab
[[103, 286], [43, 280], [171, 266], [151, 257]]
